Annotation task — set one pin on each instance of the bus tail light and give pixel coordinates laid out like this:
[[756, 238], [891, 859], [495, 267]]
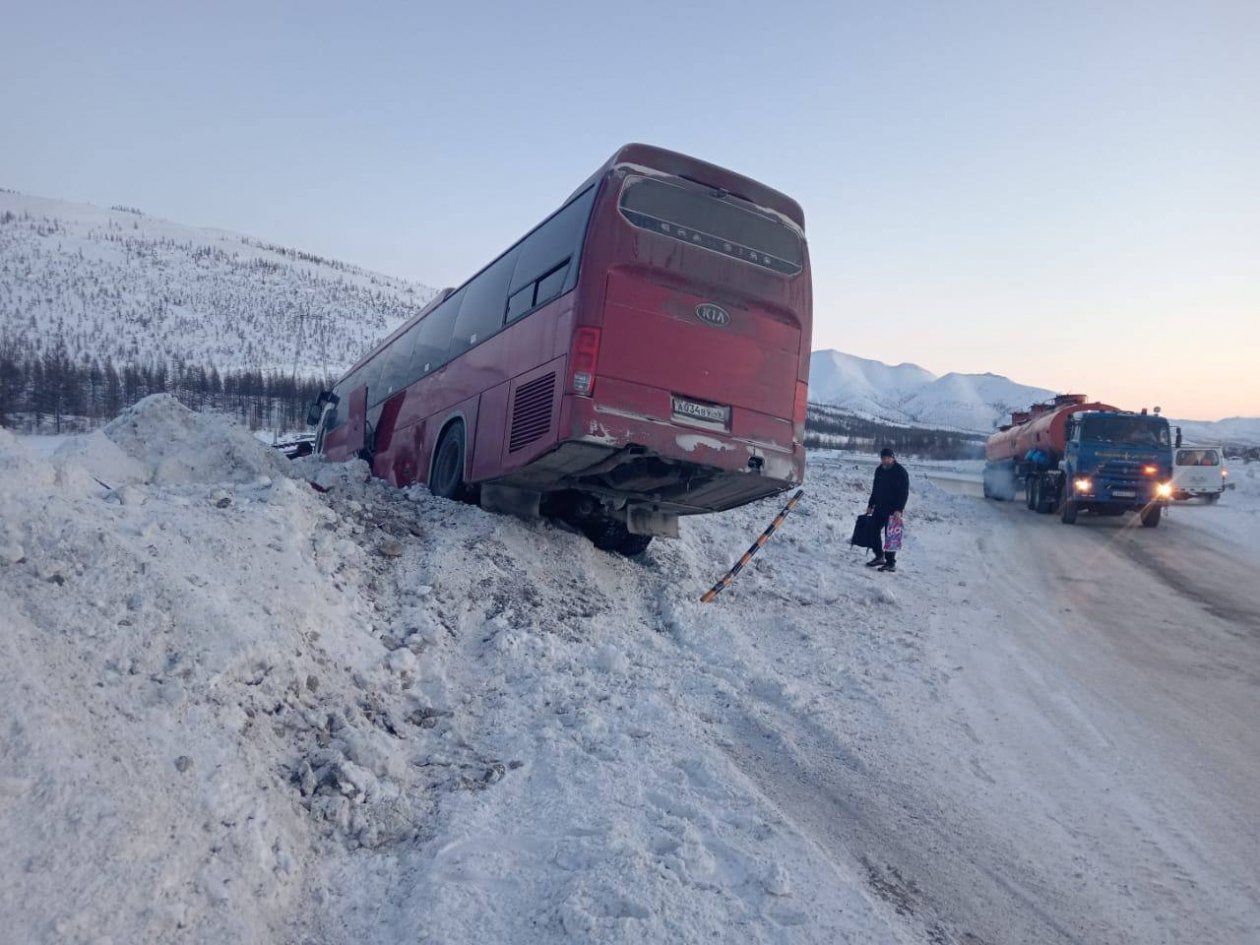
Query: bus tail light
[[799, 409], [582, 362]]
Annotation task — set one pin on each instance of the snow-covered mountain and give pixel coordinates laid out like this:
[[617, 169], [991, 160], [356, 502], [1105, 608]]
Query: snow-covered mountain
[[906, 394], [909, 394], [116, 283], [1237, 431]]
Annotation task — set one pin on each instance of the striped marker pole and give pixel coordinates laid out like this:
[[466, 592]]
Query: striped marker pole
[[729, 577]]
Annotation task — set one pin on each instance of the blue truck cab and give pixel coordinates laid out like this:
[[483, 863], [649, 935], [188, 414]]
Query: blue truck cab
[[1116, 462]]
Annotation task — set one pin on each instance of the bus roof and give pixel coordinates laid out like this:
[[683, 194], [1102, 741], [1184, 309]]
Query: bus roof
[[651, 158], [702, 172]]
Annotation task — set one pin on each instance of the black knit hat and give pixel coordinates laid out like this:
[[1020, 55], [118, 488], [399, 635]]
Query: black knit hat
[[886, 452]]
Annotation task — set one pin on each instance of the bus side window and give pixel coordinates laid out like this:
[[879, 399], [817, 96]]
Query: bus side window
[[550, 285], [551, 253], [397, 372], [520, 302], [485, 298], [433, 344], [337, 416], [370, 377]]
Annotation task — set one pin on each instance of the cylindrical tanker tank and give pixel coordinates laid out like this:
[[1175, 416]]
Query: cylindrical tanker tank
[[1045, 430], [1116, 467]]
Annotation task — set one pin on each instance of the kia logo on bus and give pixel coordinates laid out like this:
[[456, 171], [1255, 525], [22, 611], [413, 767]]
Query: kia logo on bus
[[712, 314]]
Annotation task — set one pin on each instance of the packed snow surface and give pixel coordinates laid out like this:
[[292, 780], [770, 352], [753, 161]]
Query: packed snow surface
[[240, 709]]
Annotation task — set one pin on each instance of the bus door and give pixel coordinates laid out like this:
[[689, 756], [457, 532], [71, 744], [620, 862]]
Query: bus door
[[356, 422]]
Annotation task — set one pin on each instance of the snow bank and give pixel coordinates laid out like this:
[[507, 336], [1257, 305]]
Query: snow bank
[[241, 709], [152, 639], [102, 458], [176, 445], [244, 710]]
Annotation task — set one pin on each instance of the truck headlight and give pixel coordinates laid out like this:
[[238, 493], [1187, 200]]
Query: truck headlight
[[1164, 490], [1083, 484]]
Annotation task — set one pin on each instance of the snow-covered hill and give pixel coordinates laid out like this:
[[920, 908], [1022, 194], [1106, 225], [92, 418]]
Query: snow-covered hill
[[116, 283], [909, 394]]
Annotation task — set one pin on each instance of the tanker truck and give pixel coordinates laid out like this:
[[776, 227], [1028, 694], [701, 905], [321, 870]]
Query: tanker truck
[[1070, 456]]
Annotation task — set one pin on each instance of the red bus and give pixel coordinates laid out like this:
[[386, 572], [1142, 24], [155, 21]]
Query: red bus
[[640, 355]]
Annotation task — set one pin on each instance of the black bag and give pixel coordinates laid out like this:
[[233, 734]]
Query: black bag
[[865, 532]]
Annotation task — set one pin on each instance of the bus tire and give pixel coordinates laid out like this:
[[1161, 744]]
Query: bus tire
[[447, 480], [1150, 516]]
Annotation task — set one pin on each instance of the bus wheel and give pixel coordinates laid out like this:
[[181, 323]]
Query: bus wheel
[[608, 534], [1150, 516], [447, 481]]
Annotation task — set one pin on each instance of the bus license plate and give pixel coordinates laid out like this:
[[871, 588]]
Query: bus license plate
[[1124, 493], [704, 413]]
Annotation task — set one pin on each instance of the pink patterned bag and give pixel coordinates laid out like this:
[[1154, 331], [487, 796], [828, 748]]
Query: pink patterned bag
[[892, 535]]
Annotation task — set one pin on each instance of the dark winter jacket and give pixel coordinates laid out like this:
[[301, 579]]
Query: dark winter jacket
[[891, 489]]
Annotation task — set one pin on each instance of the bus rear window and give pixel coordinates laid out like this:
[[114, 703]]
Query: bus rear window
[[712, 222]]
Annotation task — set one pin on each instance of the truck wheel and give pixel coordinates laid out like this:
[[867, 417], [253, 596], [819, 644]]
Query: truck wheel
[[1043, 500], [1067, 512], [1150, 516], [1212, 497], [1030, 493], [447, 481]]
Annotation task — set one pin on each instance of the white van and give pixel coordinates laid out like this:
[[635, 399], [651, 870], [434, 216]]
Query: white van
[[1198, 473]]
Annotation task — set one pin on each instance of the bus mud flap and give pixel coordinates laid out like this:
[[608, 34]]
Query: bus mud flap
[[641, 520]]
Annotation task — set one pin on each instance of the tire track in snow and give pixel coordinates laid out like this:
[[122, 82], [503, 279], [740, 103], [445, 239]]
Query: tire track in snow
[[951, 881]]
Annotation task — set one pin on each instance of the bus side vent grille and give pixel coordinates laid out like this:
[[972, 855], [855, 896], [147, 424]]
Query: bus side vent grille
[[531, 413]]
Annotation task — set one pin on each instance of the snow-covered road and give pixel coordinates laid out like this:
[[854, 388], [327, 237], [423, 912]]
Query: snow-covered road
[[1116, 691], [239, 709]]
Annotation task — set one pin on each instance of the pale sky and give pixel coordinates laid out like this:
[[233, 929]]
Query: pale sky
[[1067, 193]]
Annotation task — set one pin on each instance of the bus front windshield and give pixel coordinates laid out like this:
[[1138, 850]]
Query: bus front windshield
[[1126, 431]]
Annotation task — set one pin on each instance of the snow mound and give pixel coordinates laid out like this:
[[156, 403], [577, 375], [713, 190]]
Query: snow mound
[[20, 468], [177, 445], [102, 459]]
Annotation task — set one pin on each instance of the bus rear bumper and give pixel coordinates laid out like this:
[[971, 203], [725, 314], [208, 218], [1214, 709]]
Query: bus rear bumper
[[667, 466]]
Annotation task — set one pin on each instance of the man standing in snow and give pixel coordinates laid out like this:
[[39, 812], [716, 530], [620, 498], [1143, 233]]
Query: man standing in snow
[[888, 501]]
